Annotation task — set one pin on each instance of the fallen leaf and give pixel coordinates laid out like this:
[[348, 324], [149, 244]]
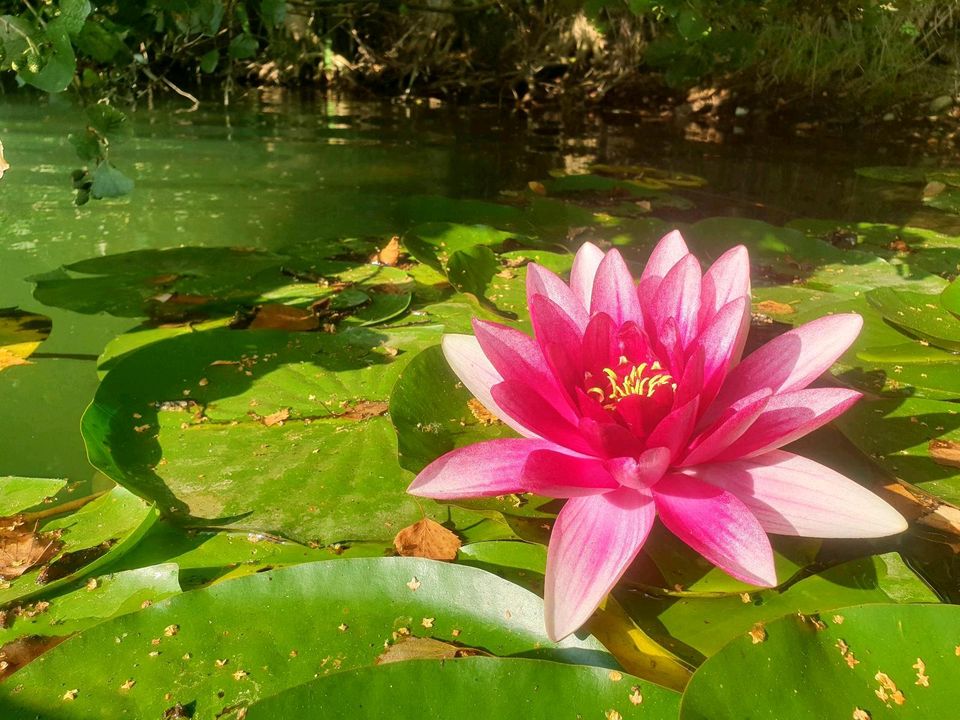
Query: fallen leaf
[[365, 409], [275, 316], [23, 650], [4, 165], [427, 538], [772, 307], [276, 418], [945, 452], [22, 549], [414, 648], [933, 188], [757, 633], [389, 255]]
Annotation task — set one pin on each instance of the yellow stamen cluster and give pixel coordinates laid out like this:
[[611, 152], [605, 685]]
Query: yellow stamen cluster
[[643, 380]]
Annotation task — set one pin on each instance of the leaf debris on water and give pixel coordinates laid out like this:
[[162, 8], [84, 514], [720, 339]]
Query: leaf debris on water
[[414, 584], [427, 622], [888, 689], [615, 676], [758, 633], [612, 714], [171, 630], [343, 627], [71, 694], [635, 695], [127, 684], [861, 714], [427, 538], [922, 678]]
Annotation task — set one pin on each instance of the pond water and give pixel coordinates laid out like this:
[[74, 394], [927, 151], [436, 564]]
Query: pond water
[[273, 172]]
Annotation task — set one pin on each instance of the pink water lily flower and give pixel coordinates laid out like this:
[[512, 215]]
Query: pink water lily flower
[[632, 401]]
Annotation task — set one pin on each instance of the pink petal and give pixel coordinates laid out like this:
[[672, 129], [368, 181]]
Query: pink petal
[[717, 525], [517, 358], [668, 252], [793, 360], [733, 423], [541, 281], [727, 279], [593, 543], [584, 271], [722, 342], [466, 358], [559, 475], [560, 339], [641, 472], [790, 416], [675, 429], [614, 291], [607, 438], [791, 495], [480, 470], [678, 297], [530, 409]]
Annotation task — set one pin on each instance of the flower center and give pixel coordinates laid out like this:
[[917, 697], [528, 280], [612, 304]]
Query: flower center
[[627, 379]]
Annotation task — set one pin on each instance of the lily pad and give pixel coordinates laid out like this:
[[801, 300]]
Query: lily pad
[[868, 661], [919, 314], [525, 690], [913, 440], [21, 333], [20, 493], [278, 629], [84, 541], [894, 173], [264, 431], [698, 625]]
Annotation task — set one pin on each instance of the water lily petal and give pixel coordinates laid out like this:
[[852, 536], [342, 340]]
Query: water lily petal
[[721, 342], [717, 525], [733, 423], [675, 429], [518, 358], [555, 329], [466, 358], [523, 404], [559, 475], [668, 252], [678, 297], [592, 544], [641, 472], [584, 271], [614, 291], [790, 416], [726, 280], [541, 281], [791, 495], [793, 360], [484, 469]]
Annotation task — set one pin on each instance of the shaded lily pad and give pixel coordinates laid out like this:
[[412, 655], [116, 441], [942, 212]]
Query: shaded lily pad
[[264, 431], [279, 629], [86, 540], [894, 173], [525, 690], [919, 314], [879, 660], [697, 625], [21, 333], [913, 440]]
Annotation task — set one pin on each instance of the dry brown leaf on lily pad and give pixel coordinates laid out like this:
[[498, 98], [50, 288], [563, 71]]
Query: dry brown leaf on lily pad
[[427, 539], [276, 418], [22, 549], [284, 317], [945, 452], [389, 255], [414, 648]]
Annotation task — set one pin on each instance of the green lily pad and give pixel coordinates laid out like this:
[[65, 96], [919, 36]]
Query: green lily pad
[[433, 412], [21, 333], [20, 493], [913, 440], [106, 596], [894, 173], [915, 251], [919, 314], [108, 182], [883, 661], [92, 537], [697, 626], [783, 256], [250, 638], [525, 690], [950, 298], [947, 200], [264, 431]]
